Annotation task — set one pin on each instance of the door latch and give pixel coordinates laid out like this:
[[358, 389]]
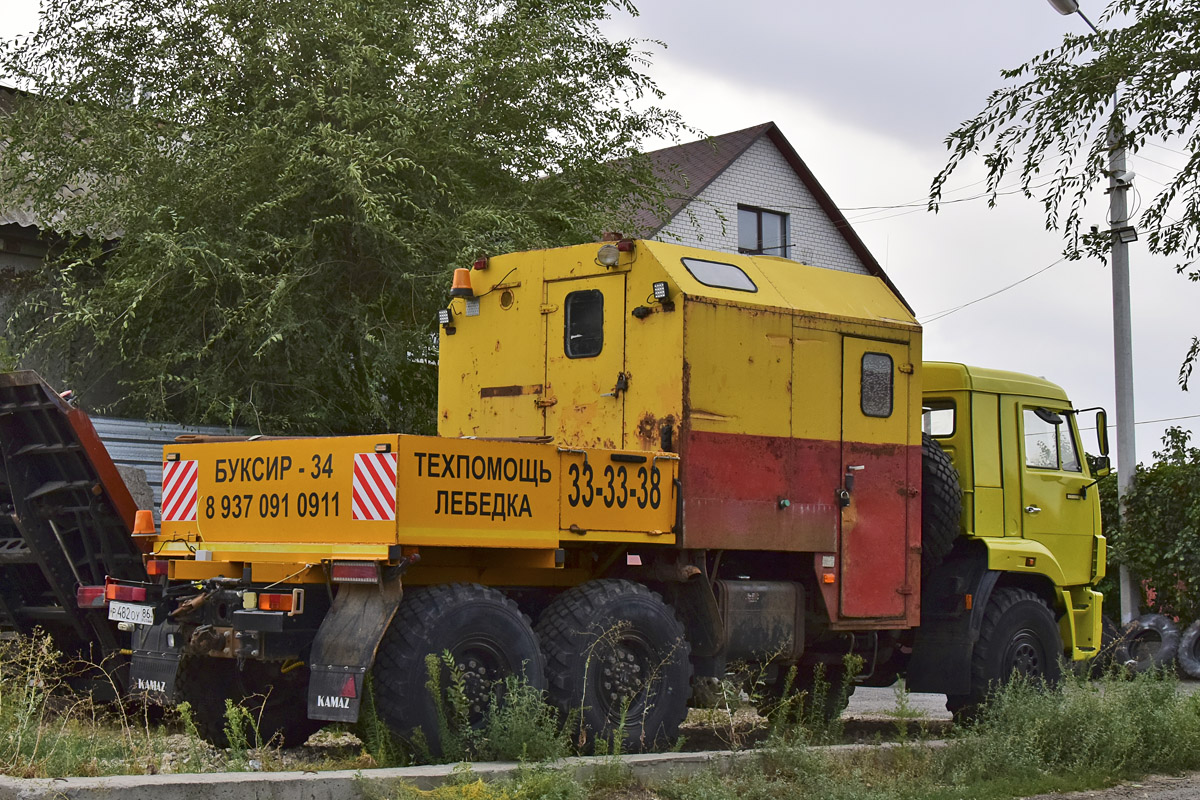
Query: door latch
[[622, 386]]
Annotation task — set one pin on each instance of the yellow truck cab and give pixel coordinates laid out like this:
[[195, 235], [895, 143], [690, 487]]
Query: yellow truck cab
[[653, 461]]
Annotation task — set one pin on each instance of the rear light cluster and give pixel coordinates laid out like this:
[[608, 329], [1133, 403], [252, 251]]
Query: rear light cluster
[[127, 594], [157, 566], [98, 596], [354, 572]]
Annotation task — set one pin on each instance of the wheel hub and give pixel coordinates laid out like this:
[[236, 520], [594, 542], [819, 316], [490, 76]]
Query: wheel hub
[[623, 676], [1024, 655]]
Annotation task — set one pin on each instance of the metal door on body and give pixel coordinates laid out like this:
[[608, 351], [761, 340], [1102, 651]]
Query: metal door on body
[[585, 361], [876, 478]]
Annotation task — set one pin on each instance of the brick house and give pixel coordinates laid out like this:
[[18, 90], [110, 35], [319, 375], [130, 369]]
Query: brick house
[[749, 191]]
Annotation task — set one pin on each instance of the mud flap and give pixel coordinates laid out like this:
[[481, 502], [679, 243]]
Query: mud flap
[[155, 662], [345, 646]]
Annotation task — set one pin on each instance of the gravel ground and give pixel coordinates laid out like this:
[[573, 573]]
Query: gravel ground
[[1155, 787]]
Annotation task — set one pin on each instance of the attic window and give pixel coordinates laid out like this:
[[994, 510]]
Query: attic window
[[762, 232], [719, 275]]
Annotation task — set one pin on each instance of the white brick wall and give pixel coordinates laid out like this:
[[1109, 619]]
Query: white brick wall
[[763, 179]]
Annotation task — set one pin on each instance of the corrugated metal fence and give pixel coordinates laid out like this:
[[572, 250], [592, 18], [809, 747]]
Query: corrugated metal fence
[[138, 443]]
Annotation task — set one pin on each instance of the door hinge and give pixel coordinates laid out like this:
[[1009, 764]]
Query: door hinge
[[545, 403], [549, 308], [907, 369]]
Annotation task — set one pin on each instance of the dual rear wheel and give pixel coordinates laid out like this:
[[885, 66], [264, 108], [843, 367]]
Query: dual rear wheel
[[615, 661]]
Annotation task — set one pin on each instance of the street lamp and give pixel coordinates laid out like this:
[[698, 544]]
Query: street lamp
[[1119, 182]]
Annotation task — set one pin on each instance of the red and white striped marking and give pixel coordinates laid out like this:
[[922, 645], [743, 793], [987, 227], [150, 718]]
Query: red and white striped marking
[[181, 479], [374, 486]]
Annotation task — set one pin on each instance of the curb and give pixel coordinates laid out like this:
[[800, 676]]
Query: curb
[[356, 784]]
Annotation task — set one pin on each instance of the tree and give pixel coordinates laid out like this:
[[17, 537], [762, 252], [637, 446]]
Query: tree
[[1159, 538], [1051, 124], [262, 201]]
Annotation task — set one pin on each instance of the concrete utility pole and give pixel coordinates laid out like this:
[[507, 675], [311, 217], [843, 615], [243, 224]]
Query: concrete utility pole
[[1120, 181]]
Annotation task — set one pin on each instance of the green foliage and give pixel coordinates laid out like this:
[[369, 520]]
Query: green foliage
[[1119, 728], [1050, 124], [1160, 537], [518, 724], [283, 189]]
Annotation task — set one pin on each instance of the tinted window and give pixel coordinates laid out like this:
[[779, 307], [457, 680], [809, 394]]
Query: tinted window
[[877, 385], [585, 324], [722, 276]]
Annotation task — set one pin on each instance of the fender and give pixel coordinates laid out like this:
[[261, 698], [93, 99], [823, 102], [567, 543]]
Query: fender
[[952, 605]]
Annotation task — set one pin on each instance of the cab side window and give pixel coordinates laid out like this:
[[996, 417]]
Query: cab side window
[[1048, 441], [584, 335]]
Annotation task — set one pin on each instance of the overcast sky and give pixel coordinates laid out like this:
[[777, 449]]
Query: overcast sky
[[866, 92]]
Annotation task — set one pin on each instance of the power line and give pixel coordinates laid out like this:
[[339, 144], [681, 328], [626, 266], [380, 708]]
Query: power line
[[1148, 421], [947, 312]]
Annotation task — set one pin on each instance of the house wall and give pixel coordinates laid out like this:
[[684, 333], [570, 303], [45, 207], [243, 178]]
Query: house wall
[[761, 177]]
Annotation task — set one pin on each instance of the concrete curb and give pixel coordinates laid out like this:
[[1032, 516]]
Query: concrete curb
[[354, 784]]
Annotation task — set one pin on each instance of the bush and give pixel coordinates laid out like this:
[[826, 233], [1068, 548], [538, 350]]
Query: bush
[[1160, 537]]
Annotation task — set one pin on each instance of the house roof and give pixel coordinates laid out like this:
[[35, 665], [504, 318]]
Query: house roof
[[688, 169]]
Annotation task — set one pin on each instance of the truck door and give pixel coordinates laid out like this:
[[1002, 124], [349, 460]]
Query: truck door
[[1053, 506], [876, 419], [585, 361]]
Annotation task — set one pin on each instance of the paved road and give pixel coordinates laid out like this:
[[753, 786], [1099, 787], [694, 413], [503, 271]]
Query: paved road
[[868, 702]]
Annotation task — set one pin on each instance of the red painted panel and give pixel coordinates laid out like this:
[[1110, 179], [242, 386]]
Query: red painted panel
[[733, 484], [875, 530]]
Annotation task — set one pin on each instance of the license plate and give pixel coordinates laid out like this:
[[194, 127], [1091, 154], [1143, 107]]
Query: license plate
[[130, 612]]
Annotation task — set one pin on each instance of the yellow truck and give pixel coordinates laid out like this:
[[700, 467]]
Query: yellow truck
[[652, 462]]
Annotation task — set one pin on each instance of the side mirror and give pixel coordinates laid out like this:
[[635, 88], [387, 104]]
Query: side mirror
[[1099, 466], [1102, 432]]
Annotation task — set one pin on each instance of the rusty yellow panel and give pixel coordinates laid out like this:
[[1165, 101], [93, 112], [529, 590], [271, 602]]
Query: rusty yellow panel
[[281, 490], [607, 496], [879, 389], [491, 371], [586, 387], [817, 368], [675, 258], [739, 368], [653, 360], [468, 492]]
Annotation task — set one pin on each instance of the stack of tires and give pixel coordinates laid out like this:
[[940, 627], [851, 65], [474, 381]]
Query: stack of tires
[[1151, 642]]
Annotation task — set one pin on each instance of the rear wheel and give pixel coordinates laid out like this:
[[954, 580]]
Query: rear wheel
[[488, 639], [617, 658], [275, 700], [1019, 636]]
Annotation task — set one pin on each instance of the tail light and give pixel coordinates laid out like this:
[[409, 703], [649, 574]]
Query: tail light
[[128, 594], [90, 597], [354, 572], [292, 603], [157, 566]]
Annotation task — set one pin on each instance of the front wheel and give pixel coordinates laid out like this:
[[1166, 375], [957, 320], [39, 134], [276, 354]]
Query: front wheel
[[617, 664], [1019, 636]]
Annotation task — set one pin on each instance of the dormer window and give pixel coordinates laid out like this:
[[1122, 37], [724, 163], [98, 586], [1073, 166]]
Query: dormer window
[[762, 232]]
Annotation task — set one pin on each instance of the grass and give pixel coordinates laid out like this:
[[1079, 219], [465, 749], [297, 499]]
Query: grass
[[1028, 740]]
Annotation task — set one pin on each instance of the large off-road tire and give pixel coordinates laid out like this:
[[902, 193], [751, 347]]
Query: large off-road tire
[[487, 637], [617, 664], [1189, 651], [1150, 642], [1019, 635], [276, 701], [941, 504]]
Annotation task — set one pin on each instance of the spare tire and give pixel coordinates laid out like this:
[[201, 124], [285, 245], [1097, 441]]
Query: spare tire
[[1150, 642], [941, 504], [1189, 651]]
